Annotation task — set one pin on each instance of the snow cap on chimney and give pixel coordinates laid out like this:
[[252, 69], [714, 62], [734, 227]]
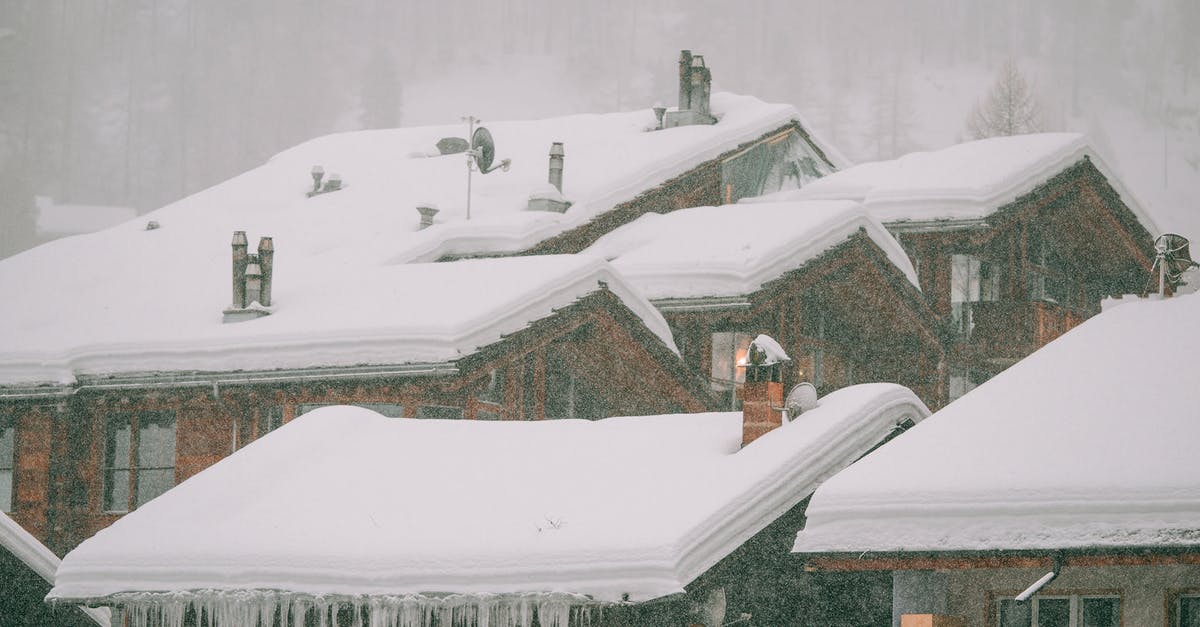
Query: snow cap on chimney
[[762, 393]]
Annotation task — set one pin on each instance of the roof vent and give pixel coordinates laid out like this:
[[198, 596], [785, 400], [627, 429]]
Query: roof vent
[[695, 87], [332, 185], [549, 197], [427, 211], [152, 225]]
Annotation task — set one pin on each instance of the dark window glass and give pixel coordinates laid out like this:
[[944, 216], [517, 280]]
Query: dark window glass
[[118, 442], [391, 410], [155, 454], [440, 412], [304, 408], [8, 435], [493, 391], [1015, 613], [269, 419], [1100, 612], [1188, 611], [1054, 613]]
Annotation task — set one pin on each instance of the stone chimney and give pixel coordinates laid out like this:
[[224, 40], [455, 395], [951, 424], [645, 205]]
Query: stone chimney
[[266, 255], [556, 165], [762, 393], [239, 270], [427, 211], [695, 85]]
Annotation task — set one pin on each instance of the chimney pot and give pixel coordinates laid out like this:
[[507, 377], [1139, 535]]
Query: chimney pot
[[266, 255], [556, 165], [239, 245], [427, 211], [317, 174]]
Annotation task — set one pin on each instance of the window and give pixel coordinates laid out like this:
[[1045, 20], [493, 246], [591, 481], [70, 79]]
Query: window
[[785, 161], [1185, 610], [1060, 611], [1047, 280], [139, 458], [8, 441], [269, 419], [963, 380], [568, 395], [729, 363], [493, 389], [391, 410], [971, 281]]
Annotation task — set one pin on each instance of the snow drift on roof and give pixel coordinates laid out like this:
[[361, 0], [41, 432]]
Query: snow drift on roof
[[123, 289], [345, 501], [1089, 442], [963, 182], [732, 250], [334, 316]]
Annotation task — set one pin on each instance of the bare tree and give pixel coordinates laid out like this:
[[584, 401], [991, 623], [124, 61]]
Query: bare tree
[[1008, 109]]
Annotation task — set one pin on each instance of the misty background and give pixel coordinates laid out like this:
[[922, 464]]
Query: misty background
[[137, 103]]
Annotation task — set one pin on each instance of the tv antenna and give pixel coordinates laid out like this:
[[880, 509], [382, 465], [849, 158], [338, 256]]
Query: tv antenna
[[481, 154], [1172, 258]]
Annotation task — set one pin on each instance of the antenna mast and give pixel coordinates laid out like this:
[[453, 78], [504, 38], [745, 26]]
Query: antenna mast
[[470, 120]]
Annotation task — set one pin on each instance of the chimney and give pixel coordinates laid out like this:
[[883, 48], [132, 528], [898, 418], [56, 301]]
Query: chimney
[[701, 85], [556, 165], [685, 80], [266, 254], [427, 211], [239, 269], [762, 393]]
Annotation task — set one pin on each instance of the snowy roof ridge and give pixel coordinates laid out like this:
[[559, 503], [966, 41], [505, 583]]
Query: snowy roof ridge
[[683, 498], [41, 560], [1108, 468], [734, 249], [556, 281], [965, 181]]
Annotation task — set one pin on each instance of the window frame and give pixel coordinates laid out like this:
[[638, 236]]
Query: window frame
[[1174, 603], [135, 419], [8, 422], [1075, 597], [722, 386]]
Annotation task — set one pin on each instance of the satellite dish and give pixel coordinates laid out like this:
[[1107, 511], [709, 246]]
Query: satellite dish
[[802, 398], [1172, 249], [485, 149]]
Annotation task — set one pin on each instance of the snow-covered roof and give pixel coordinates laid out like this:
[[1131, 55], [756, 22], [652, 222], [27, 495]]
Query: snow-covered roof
[[1088, 442], [733, 249], [324, 315], [26, 548], [86, 301], [966, 181], [56, 220], [344, 501]]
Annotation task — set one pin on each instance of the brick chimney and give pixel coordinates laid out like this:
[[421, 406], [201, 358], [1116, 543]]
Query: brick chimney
[[762, 393], [266, 262], [695, 86]]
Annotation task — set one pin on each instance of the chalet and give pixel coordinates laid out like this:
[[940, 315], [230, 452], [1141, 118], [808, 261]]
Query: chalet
[[519, 523], [138, 341], [145, 403], [1065, 491], [823, 277], [1015, 239], [27, 571]]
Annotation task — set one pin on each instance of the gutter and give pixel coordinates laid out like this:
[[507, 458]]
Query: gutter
[[715, 303], [211, 379], [937, 226]]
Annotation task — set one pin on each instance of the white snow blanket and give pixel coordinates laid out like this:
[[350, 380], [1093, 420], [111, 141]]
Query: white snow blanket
[[1088, 442], [343, 501], [392, 314], [130, 299], [733, 250], [968, 181]]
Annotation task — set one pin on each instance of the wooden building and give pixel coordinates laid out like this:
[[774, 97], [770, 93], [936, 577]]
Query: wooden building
[[1064, 493], [26, 574], [1015, 240], [822, 277], [543, 338], [513, 523]]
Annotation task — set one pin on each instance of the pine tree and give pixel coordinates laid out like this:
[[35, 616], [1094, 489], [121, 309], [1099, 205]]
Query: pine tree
[[1008, 109]]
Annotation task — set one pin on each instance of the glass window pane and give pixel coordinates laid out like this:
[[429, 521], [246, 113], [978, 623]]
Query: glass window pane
[[116, 491], [6, 491], [307, 407], [1189, 611], [117, 441], [1100, 612], [1054, 613], [493, 391], [722, 360], [389, 410], [151, 483], [269, 419], [1015, 614], [156, 439], [7, 442]]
